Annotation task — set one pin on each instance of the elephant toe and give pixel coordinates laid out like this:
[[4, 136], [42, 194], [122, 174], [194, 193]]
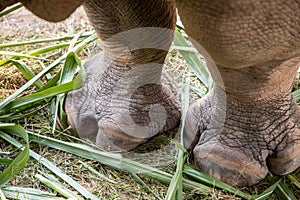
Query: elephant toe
[[231, 166], [112, 138], [287, 159]]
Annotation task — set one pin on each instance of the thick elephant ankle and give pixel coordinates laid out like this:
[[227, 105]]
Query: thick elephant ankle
[[240, 142], [119, 112]]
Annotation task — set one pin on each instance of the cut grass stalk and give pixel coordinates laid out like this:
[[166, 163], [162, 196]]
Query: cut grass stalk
[[55, 39], [97, 173], [115, 160], [55, 180], [33, 99], [37, 52], [2, 196], [56, 187], [175, 188], [296, 95], [68, 72], [20, 161], [145, 185], [10, 9], [19, 55], [193, 61], [76, 49], [5, 161], [12, 192], [294, 180], [118, 162], [52, 168], [196, 174], [283, 191], [27, 72]]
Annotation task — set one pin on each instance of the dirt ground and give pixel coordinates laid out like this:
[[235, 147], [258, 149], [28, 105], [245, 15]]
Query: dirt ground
[[18, 24]]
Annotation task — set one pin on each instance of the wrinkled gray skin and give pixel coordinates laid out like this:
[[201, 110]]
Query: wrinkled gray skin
[[246, 126]]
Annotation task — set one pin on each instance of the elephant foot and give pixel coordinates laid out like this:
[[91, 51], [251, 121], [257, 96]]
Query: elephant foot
[[121, 106], [240, 142]]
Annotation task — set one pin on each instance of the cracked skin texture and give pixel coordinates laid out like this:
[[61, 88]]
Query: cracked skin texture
[[249, 123], [246, 126]]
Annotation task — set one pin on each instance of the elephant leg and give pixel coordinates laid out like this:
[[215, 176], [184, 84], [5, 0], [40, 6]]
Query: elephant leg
[[123, 101], [249, 123]]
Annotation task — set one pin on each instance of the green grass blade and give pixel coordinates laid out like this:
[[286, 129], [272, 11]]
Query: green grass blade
[[52, 82], [56, 187], [70, 67], [267, 192], [145, 185], [194, 173], [10, 9], [97, 173], [114, 160], [284, 192], [47, 49], [294, 180], [68, 71], [56, 181], [36, 52], [32, 99], [22, 55], [193, 61], [5, 161], [200, 93], [55, 39], [296, 95], [30, 82], [27, 193], [78, 48], [27, 72], [2, 196], [20, 161], [52, 168], [175, 187]]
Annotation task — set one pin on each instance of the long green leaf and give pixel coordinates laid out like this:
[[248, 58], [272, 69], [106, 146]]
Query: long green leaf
[[192, 59], [284, 192], [5, 161], [194, 173], [27, 72], [294, 180], [29, 100], [296, 95], [267, 192], [56, 187], [27, 193], [36, 52], [8, 53], [175, 188], [20, 161], [53, 168], [114, 160], [55, 39], [76, 49], [68, 71], [11, 9]]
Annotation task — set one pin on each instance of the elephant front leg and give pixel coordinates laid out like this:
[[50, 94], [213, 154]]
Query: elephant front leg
[[239, 134], [123, 101], [249, 123]]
